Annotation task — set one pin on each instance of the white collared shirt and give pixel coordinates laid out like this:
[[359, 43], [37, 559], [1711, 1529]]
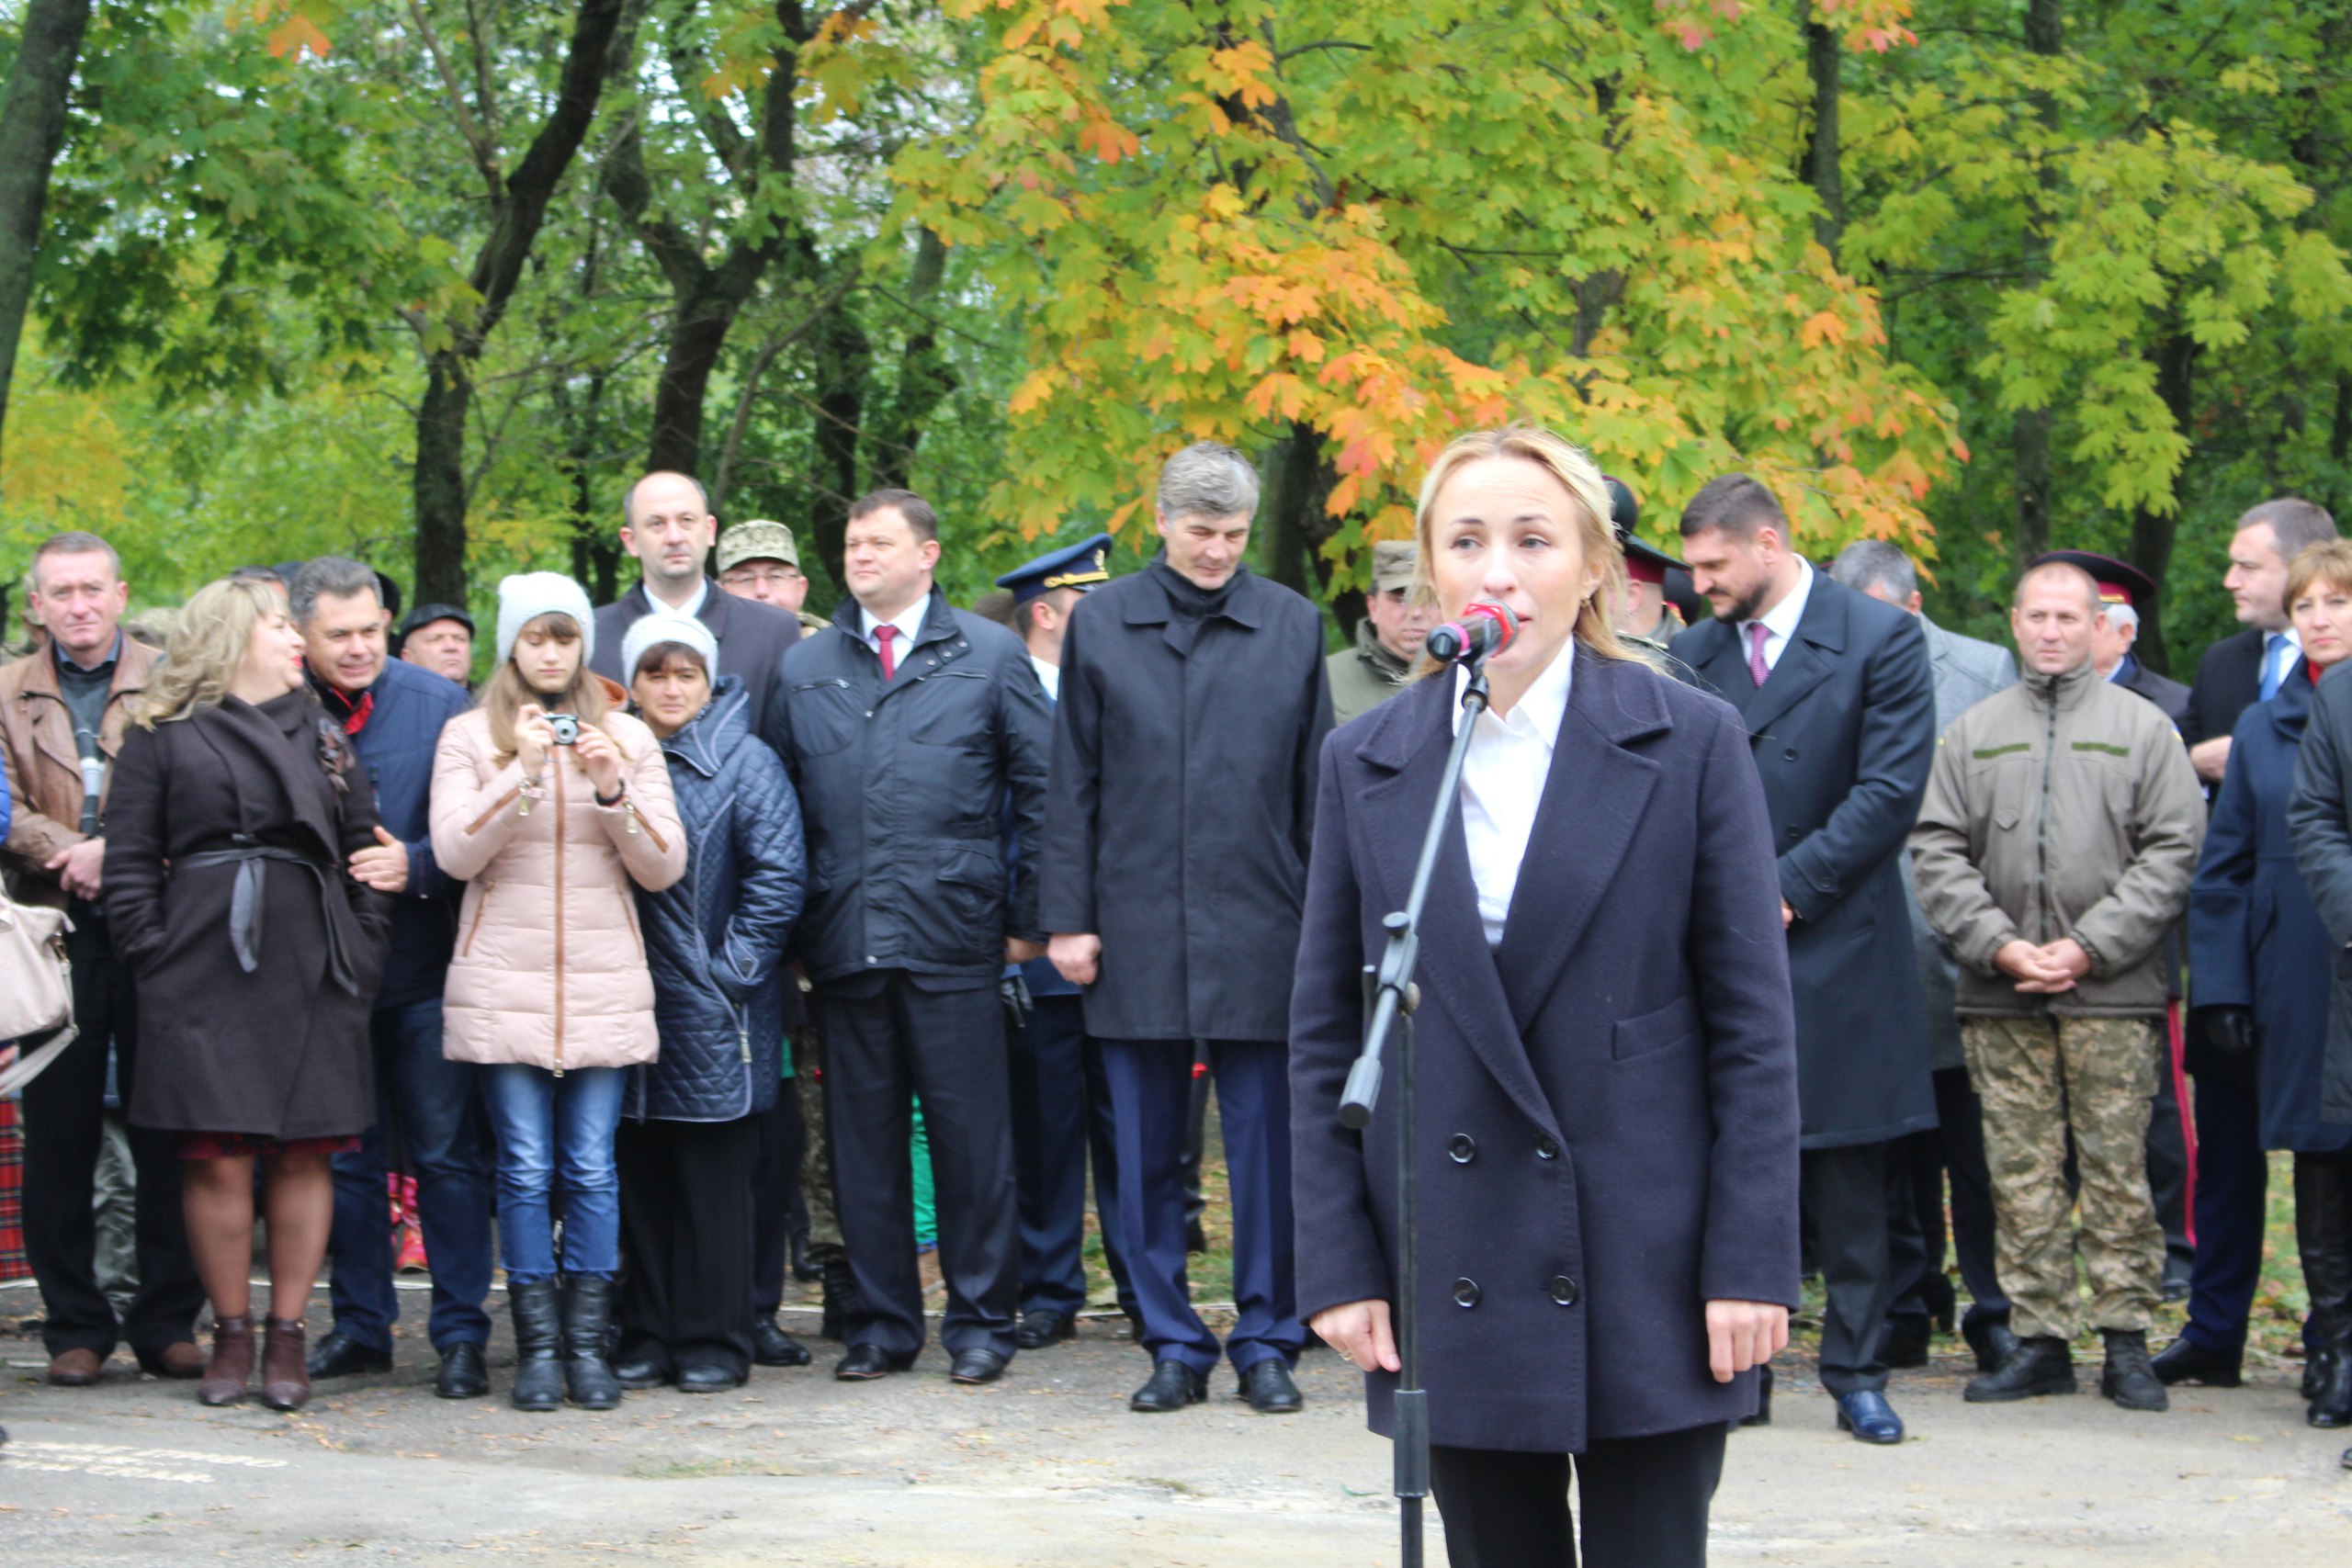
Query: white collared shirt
[[1780, 622], [692, 607], [2277, 660], [1502, 782], [909, 621], [1050, 677]]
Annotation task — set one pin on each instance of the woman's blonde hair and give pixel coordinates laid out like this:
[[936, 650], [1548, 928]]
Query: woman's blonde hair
[[1570, 463], [503, 694], [206, 649], [2329, 559]]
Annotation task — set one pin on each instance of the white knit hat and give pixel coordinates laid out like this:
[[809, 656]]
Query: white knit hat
[[528, 595], [667, 625]]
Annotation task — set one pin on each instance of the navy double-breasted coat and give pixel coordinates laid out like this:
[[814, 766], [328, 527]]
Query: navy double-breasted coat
[[1607, 1131], [1842, 734]]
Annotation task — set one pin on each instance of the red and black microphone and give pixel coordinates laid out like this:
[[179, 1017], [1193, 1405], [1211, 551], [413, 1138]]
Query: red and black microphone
[[1484, 628]]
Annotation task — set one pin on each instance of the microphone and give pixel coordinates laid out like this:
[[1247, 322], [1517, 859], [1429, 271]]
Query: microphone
[[1484, 627]]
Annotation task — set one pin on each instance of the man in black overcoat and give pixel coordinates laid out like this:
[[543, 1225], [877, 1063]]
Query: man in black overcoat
[[667, 524], [1193, 705], [905, 725], [2233, 1172], [1835, 689]]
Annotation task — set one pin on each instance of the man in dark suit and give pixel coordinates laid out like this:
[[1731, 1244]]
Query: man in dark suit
[[2231, 1171], [1194, 701], [667, 525], [1835, 690]]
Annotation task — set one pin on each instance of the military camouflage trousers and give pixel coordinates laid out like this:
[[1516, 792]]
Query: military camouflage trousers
[[817, 1150], [2039, 1079]]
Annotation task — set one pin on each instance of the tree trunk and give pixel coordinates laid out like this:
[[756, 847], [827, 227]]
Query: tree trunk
[[32, 127], [440, 483], [2151, 532], [1295, 525], [844, 369], [924, 376], [1824, 58]]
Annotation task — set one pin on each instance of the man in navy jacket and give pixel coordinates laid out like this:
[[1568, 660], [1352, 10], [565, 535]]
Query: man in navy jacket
[[1840, 708], [394, 711]]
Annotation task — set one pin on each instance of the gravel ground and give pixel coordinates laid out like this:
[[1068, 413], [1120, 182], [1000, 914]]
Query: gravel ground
[[1047, 1468]]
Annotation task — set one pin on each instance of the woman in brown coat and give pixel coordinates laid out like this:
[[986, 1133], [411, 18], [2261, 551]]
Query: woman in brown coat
[[236, 846], [550, 803]]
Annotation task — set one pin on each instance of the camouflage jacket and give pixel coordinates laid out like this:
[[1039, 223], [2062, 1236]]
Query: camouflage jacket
[[2063, 807]]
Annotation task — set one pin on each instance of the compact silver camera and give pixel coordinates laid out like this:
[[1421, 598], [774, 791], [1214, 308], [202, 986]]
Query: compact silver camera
[[566, 726]]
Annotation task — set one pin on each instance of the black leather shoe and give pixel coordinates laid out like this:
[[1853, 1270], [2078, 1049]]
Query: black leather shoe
[[1269, 1387], [980, 1366], [866, 1362], [1763, 1416], [1171, 1386], [647, 1366], [772, 1346], [1904, 1343], [1942, 1302], [2127, 1379], [1866, 1414], [1043, 1327], [1195, 1239], [705, 1379], [1991, 1339], [2185, 1360], [462, 1374], [2315, 1371], [2037, 1366], [337, 1356]]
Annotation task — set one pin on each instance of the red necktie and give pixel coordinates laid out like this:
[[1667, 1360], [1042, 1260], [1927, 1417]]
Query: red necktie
[[884, 634], [1757, 668]]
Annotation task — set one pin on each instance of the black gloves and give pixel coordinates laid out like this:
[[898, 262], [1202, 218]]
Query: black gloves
[[2228, 1029]]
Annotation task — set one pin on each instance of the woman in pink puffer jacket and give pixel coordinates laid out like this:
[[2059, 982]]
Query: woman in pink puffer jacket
[[550, 803]]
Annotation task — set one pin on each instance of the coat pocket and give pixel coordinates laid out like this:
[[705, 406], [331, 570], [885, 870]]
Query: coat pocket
[[1669, 1026], [481, 907]]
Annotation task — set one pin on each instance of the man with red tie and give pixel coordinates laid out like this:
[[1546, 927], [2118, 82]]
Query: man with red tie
[[904, 725]]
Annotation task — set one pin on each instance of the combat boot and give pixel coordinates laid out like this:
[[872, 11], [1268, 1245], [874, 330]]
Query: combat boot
[[2127, 1379], [2036, 1366]]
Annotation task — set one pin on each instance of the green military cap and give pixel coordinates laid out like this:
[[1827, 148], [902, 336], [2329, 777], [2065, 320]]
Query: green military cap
[[758, 540], [1392, 564]]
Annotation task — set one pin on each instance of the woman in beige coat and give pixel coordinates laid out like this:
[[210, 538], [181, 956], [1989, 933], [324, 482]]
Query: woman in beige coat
[[550, 802]]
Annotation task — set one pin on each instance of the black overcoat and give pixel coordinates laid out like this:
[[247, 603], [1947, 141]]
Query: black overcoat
[[753, 639], [2319, 820], [1608, 1121], [1842, 734], [283, 1050], [1182, 803]]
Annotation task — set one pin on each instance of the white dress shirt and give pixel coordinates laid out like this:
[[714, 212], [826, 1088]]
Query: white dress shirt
[[1502, 782], [1050, 677], [1780, 622], [692, 607], [2280, 658], [909, 621]]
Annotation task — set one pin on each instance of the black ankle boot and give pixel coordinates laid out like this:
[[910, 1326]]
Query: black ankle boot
[[841, 1297], [588, 1378], [2036, 1366], [2127, 1379], [2324, 1237], [538, 1368]]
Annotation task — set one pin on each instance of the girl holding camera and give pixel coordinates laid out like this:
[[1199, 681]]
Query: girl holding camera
[[550, 802]]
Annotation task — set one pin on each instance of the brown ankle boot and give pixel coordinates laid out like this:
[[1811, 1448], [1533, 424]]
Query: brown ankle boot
[[285, 1371], [231, 1366]]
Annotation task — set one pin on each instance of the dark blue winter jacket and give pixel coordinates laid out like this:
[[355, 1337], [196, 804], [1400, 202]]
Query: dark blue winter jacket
[[408, 707], [714, 940]]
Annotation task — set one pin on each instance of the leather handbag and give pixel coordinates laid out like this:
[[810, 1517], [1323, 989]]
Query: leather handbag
[[36, 978]]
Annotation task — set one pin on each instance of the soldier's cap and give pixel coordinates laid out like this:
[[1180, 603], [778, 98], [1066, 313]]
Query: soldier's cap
[[1643, 562], [1081, 566], [756, 538], [1392, 564], [2120, 582], [425, 615]]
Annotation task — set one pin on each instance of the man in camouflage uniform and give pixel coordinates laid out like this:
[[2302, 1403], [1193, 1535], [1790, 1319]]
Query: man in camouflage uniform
[[1388, 639], [2052, 853]]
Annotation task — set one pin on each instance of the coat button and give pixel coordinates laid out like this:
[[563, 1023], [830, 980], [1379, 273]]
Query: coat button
[[1791, 754], [1563, 1290], [1794, 832], [1462, 1148], [1466, 1292], [1547, 1148]]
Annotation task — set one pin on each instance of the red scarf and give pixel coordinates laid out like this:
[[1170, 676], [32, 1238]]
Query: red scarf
[[351, 716]]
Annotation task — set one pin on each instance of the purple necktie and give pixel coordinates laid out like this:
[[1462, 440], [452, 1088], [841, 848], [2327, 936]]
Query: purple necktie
[[1757, 668]]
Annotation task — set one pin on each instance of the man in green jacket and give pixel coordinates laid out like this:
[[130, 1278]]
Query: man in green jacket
[[1388, 639], [2052, 853]]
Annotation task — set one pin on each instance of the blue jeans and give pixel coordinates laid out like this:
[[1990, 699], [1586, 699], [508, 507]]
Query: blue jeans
[[544, 1121], [439, 1107]]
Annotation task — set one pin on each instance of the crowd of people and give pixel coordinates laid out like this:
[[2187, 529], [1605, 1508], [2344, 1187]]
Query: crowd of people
[[648, 959]]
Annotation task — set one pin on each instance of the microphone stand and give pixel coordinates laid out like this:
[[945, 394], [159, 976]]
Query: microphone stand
[[1390, 996]]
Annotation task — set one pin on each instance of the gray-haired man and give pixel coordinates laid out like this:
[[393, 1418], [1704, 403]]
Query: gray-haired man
[[1193, 705]]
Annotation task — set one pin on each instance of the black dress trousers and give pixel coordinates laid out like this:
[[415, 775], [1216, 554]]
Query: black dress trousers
[[686, 1242], [1846, 1195], [1645, 1502], [64, 1111], [890, 1037]]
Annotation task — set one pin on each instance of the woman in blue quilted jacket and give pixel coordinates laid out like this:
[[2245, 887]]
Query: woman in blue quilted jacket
[[690, 1137]]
